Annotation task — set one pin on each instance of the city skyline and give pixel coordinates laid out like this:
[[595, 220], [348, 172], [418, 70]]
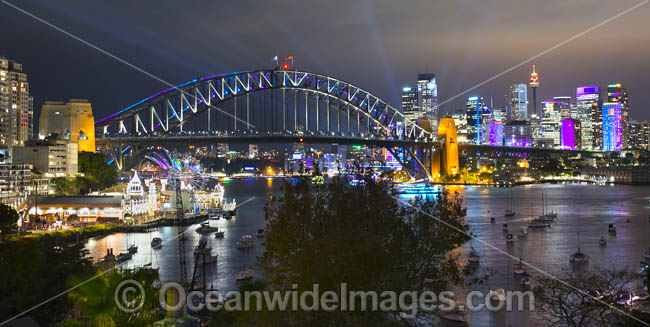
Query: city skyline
[[392, 56]]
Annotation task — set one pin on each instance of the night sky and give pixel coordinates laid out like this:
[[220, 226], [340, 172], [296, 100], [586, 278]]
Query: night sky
[[378, 45]]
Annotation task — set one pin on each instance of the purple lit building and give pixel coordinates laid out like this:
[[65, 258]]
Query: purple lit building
[[517, 133], [612, 126], [495, 134], [570, 136]]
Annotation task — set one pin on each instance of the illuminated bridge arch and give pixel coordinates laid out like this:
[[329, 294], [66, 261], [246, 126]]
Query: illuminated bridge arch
[[270, 101]]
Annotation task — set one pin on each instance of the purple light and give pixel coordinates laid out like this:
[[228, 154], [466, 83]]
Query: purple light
[[567, 135], [612, 127], [588, 90], [495, 134]]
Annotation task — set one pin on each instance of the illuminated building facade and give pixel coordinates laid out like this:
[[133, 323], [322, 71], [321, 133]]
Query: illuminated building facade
[[570, 138], [55, 158], [495, 134], [564, 106], [639, 135], [517, 133], [410, 103], [612, 126], [518, 96], [474, 112], [550, 123], [72, 121], [16, 105], [617, 93], [588, 111], [460, 120], [427, 93], [534, 84]]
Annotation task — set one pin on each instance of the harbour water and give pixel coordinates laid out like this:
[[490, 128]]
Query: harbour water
[[584, 209]]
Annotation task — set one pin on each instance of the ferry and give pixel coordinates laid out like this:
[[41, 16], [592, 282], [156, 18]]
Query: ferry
[[156, 243], [417, 188]]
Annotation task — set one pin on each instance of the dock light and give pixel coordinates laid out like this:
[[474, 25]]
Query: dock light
[[285, 66]]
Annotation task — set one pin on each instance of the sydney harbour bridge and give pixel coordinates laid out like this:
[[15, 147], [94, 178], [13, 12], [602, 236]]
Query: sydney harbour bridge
[[281, 106]]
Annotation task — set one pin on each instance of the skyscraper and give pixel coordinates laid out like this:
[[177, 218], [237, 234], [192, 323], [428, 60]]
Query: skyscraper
[[564, 104], [550, 123], [474, 110], [534, 84], [612, 126], [410, 103], [617, 93], [518, 101], [16, 111], [427, 93], [588, 104], [570, 138]]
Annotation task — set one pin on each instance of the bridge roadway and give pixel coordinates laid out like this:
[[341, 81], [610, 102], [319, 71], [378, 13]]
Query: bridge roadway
[[202, 139]]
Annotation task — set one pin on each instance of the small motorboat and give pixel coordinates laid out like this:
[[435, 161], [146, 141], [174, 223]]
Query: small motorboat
[[493, 220], [522, 233], [579, 257], [156, 243], [519, 268], [206, 229], [509, 238], [602, 241], [455, 315], [473, 257], [611, 229], [497, 295], [124, 256], [244, 274], [218, 234], [133, 249], [505, 227], [245, 242], [509, 213], [537, 223], [525, 279], [261, 233]]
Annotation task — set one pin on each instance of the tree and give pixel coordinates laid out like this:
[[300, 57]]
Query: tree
[[569, 301], [360, 235], [94, 165], [8, 217]]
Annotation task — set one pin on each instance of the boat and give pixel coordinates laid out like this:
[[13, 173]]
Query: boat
[[519, 268], [108, 257], [522, 233], [230, 208], [473, 257], [204, 255], [509, 213], [492, 220], [611, 229], [218, 234], [545, 218], [578, 256], [206, 229], [509, 238], [602, 241], [641, 296], [133, 249], [537, 223], [156, 243], [245, 242], [244, 274], [627, 220], [497, 295], [124, 256], [505, 227], [525, 279], [455, 315], [261, 232], [417, 188]]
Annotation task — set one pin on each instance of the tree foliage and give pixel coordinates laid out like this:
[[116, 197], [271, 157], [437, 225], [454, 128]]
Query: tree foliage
[[94, 165], [360, 235], [8, 217]]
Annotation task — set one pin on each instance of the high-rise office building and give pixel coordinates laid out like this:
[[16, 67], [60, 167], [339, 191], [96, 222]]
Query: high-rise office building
[[518, 96], [639, 135], [517, 133], [410, 103], [16, 105], [570, 138], [564, 104], [427, 90], [588, 108], [550, 123], [612, 126], [460, 120], [617, 93], [474, 112], [72, 121], [534, 84]]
